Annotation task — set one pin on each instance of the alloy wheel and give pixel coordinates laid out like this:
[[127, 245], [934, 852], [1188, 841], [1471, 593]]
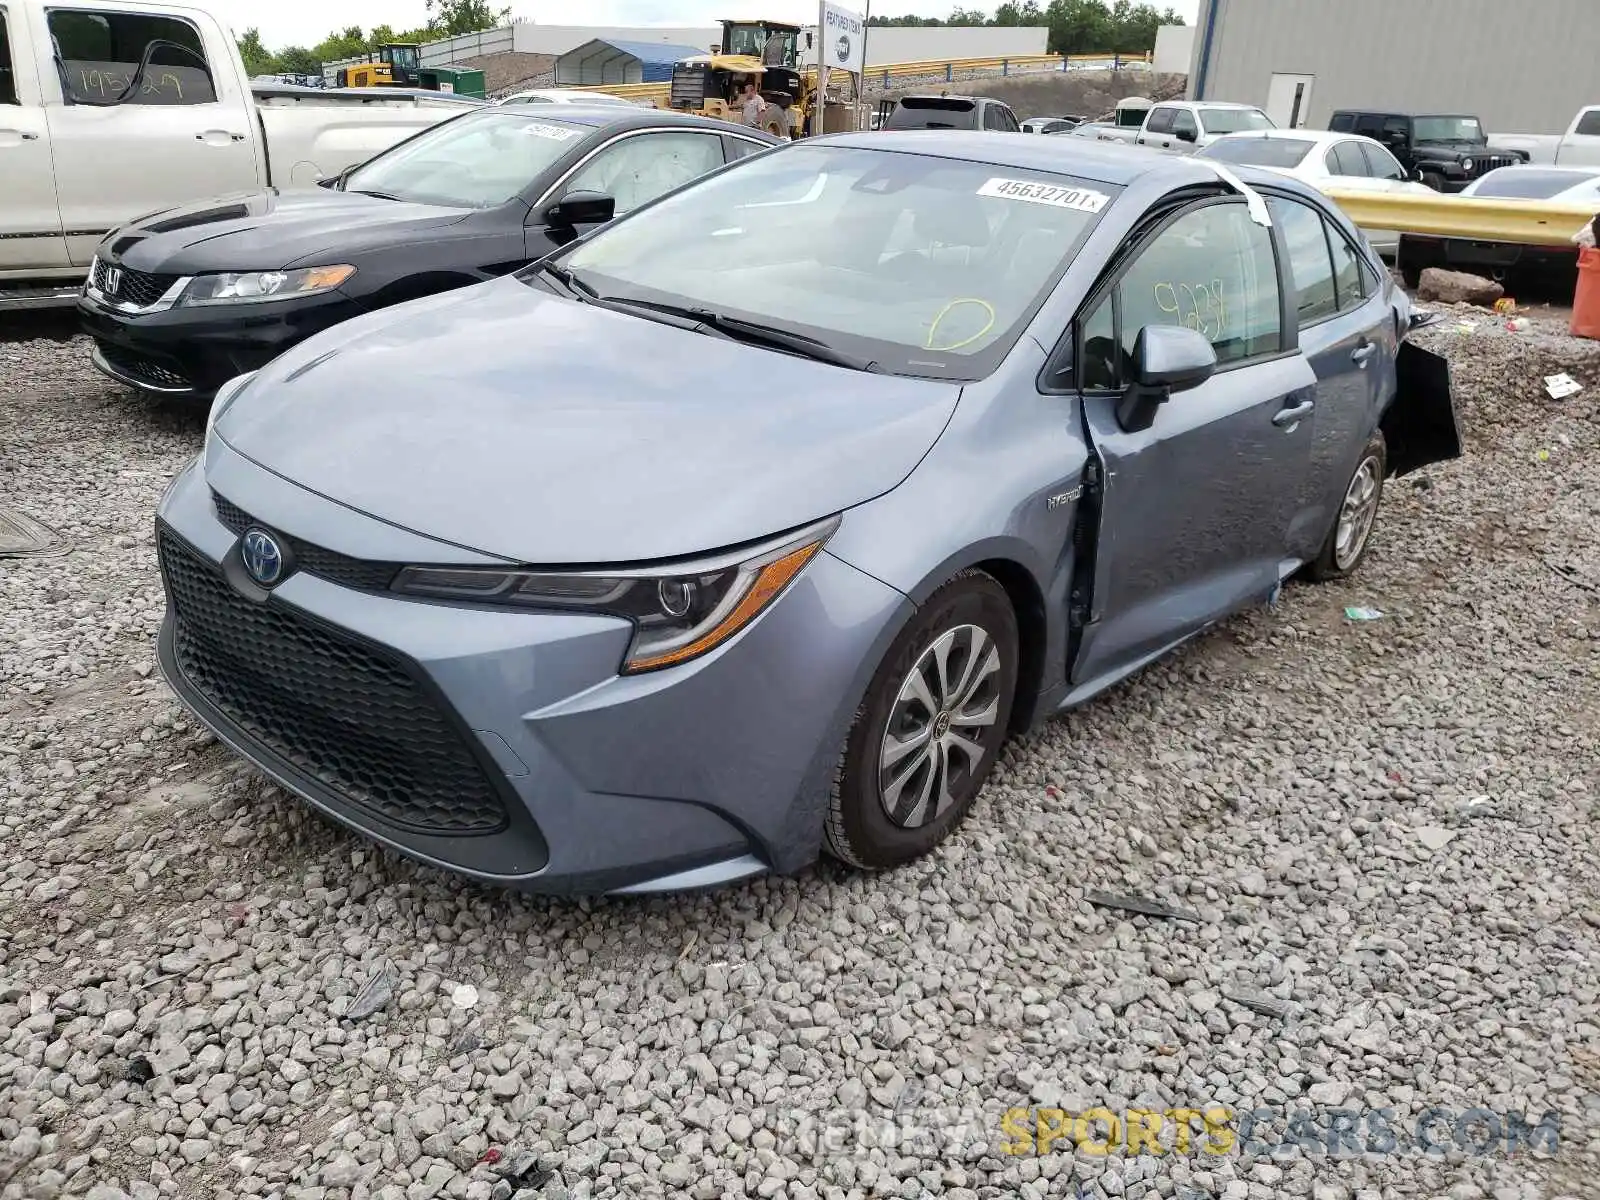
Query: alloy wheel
[[941, 728], [1357, 513]]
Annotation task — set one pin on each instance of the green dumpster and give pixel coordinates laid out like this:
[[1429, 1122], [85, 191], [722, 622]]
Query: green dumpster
[[463, 81]]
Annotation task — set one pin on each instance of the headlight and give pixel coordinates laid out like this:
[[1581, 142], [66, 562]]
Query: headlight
[[1466, 165], [678, 612], [250, 287]]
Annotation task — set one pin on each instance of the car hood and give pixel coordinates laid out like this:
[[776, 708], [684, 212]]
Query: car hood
[[271, 229], [542, 430]]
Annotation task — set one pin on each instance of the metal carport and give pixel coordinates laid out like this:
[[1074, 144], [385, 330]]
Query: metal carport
[[603, 61]]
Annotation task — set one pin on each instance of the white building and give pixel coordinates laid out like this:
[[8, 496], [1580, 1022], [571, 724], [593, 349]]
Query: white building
[[885, 46], [1520, 66]]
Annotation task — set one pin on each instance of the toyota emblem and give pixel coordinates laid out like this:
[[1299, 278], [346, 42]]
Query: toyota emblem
[[263, 557]]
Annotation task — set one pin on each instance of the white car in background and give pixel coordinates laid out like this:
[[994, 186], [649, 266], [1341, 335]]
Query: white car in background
[[561, 96], [1323, 160], [1560, 185]]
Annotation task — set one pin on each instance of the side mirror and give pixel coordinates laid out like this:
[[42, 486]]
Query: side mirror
[[1184, 135], [1167, 359], [581, 208], [1417, 175]]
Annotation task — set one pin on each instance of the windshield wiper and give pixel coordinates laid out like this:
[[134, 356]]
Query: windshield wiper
[[579, 289], [375, 194], [753, 332]]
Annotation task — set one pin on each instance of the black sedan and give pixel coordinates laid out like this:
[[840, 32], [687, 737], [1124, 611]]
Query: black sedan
[[180, 302]]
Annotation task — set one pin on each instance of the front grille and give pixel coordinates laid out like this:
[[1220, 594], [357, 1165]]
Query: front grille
[[361, 573], [138, 288], [141, 368], [348, 715], [1490, 162]]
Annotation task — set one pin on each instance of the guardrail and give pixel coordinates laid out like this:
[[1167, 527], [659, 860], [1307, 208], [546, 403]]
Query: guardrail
[[1025, 64], [1523, 222]]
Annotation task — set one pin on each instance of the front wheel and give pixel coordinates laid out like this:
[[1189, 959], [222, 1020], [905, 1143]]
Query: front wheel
[[929, 729], [1351, 534]]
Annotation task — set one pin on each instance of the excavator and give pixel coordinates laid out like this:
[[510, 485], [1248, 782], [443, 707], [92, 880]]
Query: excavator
[[768, 52]]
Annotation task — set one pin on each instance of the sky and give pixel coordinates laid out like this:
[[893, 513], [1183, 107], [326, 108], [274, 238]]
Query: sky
[[306, 22]]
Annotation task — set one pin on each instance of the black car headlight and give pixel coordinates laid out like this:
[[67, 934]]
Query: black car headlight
[[253, 287], [679, 612]]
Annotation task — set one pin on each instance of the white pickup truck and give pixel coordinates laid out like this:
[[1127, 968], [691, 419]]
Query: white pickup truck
[[1179, 126], [115, 109], [1578, 147]]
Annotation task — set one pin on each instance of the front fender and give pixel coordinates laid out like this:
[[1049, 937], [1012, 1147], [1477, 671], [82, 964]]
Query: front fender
[[1420, 424]]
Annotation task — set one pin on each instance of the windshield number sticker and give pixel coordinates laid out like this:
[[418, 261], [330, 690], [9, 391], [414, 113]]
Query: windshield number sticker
[[554, 132], [1077, 199]]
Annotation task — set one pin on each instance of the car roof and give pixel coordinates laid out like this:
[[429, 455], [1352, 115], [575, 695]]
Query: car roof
[[1317, 137], [1102, 162], [617, 116]]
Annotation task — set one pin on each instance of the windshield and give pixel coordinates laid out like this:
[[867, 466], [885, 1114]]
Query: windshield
[[1528, 183], [1259, 151], [1446, 129], [480, 160], [403, 58], [1233, 120], [925, 266]]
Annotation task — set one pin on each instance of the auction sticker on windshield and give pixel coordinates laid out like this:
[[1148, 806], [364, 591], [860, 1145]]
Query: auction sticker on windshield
[[555, 133], [1080, 199]]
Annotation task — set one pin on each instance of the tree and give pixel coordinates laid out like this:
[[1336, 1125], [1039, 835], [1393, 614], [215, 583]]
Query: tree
[[450, 18], [297, 60], [258, 60]]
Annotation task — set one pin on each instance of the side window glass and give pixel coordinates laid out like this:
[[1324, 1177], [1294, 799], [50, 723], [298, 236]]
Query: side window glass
[[1381, 163], [1397, 125], [8, 80], [1589, 123], [1183, 122], [741, 148], [102, 54], [1347, 272], [1347, 156], [991, 117], [637, 169], [1098, 366], [1212, 270], [1369, 126], [1012, 124], [1310, 264], [1160, 120]]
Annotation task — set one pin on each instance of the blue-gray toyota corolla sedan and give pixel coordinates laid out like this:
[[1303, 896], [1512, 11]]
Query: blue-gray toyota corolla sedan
[[754, 523]]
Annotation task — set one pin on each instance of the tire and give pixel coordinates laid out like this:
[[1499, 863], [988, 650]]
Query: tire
[[1351, 535], [968, 620]]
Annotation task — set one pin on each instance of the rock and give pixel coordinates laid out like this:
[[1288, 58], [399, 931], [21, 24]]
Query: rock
[[1457, 287]]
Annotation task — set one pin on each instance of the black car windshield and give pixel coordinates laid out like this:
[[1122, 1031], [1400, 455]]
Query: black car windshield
[[1529, 183], [1233, 120], [1259, 151], [925, 266], [1446, 129], [480, 160]]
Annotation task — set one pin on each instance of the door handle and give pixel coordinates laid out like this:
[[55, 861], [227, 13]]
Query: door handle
[[24, 134], [1294, 414], [1363, 353], [215, 137]]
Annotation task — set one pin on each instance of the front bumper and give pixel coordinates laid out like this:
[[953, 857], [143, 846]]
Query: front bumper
[[1417, 252], [502, 744], [188, 353]]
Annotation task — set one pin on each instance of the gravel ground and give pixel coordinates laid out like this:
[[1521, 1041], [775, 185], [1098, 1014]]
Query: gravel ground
[[1384, 829]]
